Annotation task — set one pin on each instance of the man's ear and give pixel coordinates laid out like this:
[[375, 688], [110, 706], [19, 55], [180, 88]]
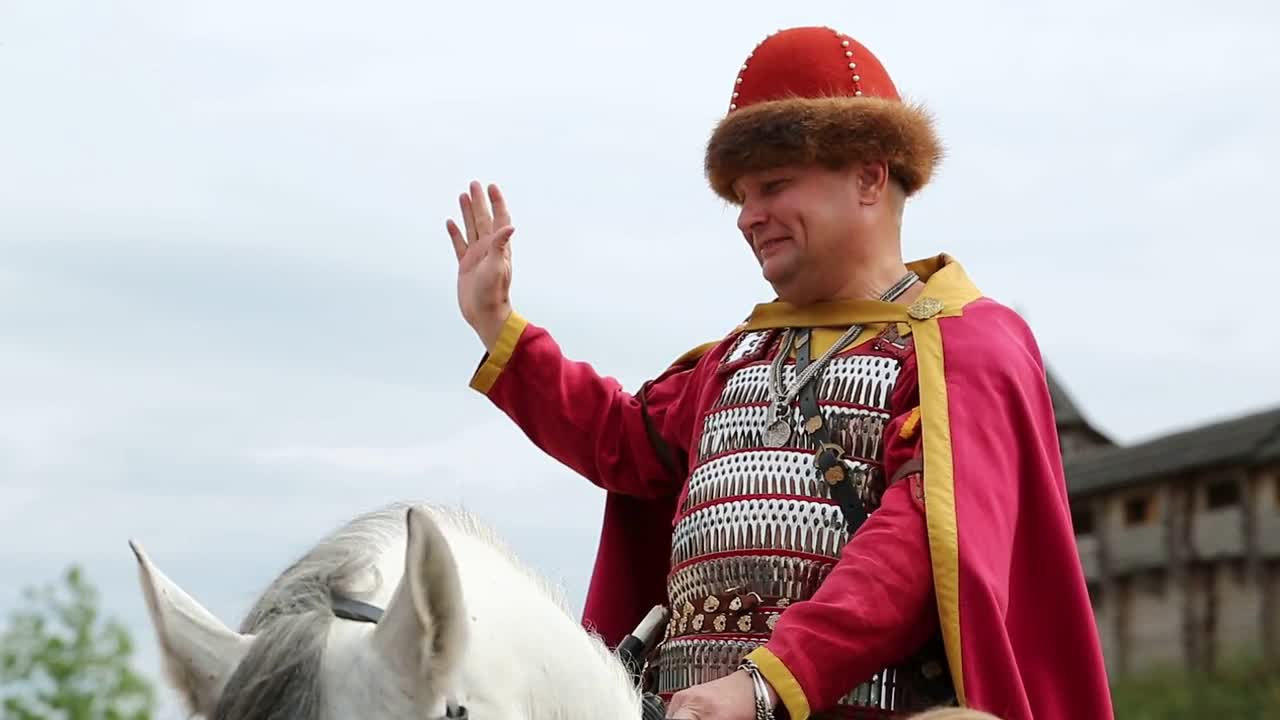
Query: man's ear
[[873, 180]]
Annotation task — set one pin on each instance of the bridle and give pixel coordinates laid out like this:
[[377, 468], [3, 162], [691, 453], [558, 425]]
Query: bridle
[[358, 611]]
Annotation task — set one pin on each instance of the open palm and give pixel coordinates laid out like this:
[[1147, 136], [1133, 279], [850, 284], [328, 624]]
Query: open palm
[[483, 250]]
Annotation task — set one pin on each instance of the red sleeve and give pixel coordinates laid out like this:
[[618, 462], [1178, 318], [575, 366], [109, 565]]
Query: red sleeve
[[877, 604], [633, 445]]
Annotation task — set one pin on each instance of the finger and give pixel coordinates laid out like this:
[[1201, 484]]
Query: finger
[[468, 219], [459, 242], [500, 214], [502, 237], [484, 220]]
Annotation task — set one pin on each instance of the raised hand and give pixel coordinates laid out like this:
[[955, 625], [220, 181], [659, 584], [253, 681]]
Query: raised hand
[[484, 261]]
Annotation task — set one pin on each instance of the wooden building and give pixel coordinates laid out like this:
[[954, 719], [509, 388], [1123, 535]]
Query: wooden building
[[1180, 539]]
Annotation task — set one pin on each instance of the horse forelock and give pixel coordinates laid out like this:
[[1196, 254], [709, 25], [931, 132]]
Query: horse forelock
[[280, 675]]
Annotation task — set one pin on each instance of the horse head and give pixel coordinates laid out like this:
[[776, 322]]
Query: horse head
[[404, 666], [465, 628]]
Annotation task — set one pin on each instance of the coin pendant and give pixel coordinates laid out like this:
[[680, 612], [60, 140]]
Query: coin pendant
[[777, 433]]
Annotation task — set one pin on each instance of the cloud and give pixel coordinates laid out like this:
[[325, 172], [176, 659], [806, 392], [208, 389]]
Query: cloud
[[228, 300]]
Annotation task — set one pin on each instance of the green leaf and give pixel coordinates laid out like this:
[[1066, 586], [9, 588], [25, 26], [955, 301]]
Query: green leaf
[[60, 659]]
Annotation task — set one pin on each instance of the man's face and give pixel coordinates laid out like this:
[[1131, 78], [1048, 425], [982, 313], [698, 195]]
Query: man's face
[[802, 224]]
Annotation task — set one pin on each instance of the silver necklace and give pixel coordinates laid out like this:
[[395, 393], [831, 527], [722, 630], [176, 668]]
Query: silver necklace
[[778, 432]]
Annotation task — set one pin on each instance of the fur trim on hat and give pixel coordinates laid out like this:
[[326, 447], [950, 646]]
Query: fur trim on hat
[[832, 132]]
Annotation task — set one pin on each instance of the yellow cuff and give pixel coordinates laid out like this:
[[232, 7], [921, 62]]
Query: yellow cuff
[[487, 374], [782, 682]]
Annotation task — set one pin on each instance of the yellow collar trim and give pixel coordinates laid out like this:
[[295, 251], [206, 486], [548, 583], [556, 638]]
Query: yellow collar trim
[[947, 290]]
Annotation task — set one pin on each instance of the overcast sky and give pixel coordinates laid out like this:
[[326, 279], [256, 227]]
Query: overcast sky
[[227, 306]]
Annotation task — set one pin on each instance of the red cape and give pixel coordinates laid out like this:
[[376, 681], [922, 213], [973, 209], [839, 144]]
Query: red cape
[[1013, 606]]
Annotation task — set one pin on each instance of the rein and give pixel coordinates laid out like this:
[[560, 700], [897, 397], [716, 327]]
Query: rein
[[357, 611]]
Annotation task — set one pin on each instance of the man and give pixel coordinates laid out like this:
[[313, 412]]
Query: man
[[854, 503]]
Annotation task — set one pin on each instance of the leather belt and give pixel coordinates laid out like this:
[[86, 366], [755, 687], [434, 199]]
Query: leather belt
[[728, 612]]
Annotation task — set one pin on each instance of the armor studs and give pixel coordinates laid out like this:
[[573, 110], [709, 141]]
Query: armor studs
[[834, 475], [813, 424]]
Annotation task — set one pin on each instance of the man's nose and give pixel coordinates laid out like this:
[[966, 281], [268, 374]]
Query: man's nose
[[751, 216]]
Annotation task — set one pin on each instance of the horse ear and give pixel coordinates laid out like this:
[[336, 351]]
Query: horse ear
[[199, 653], [423, 633]]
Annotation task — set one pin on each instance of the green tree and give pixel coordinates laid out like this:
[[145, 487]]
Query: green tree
[[60, 660]]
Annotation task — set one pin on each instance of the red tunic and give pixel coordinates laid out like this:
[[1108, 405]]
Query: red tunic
[[992, 561]]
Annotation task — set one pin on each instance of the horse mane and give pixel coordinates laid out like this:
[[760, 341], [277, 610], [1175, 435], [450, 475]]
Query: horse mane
[[279, 677]]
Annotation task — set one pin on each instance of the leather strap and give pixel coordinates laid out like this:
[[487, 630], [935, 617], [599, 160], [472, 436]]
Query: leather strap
[[911, 467], [666, 454], [348, 609], [828, 457]]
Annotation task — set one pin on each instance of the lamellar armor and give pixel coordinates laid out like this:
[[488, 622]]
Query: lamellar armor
[[759, 528]]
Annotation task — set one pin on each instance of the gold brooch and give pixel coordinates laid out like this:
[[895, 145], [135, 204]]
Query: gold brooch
[[924, 308]]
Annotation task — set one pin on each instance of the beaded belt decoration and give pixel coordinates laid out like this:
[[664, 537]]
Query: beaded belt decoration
[[728, 612]]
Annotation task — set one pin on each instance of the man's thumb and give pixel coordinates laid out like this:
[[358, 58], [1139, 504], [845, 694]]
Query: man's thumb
[[503, 237]]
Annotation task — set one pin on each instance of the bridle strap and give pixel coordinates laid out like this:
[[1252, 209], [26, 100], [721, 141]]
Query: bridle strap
[[349, 609]]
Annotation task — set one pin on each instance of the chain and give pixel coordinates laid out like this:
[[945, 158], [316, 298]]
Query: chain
[[782, 397]]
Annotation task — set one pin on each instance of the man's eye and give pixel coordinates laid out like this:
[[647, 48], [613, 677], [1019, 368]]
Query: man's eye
[[774, 185]]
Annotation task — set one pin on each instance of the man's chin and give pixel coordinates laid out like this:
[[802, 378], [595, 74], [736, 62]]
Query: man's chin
[[779, 278]]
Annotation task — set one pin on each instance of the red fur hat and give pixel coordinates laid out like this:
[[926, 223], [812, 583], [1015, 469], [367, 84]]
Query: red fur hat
[[815, 95]]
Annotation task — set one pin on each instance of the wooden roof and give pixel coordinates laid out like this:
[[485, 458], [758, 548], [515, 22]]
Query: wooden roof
[[1249, 440]]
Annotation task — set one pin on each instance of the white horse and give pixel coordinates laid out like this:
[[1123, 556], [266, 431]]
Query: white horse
[[465, 625]]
